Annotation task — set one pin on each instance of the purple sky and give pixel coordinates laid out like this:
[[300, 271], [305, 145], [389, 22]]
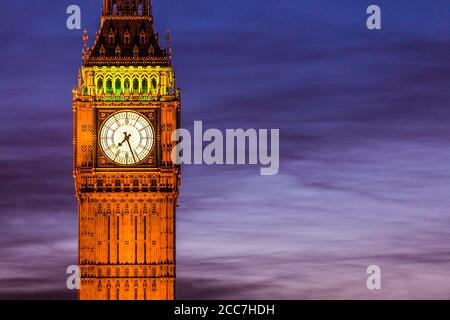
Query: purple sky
[[365, 126]]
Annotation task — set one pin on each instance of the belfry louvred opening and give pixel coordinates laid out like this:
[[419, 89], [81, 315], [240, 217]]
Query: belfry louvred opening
[[126, 106], [127, 7]]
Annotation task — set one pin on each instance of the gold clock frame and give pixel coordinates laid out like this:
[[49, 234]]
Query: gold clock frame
[[143, 162]]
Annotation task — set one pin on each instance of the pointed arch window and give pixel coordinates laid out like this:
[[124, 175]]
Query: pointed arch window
[[142, 37], [117, 290], [99, 85], [126, 86], [126, 38], [111, 37], [145, 290], [136, 85], [144, 86], [109, 88], [117, 90], [154, 84]]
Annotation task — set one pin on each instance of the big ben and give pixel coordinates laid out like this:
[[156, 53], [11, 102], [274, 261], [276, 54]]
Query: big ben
[[126, 107]]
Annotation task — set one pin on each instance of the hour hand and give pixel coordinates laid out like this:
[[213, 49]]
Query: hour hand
[[124, 139]]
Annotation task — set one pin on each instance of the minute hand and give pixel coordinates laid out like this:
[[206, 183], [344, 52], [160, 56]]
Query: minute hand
[[132, 153]]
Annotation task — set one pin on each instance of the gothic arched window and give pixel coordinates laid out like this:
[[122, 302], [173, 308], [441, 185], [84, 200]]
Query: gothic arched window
[[117, 87], [126, 85], [126, 38], [111, 37], [99, 85], [144, 86], [135, 85], [142, 37], [109, 88]]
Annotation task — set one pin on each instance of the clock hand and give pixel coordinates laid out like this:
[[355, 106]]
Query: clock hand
[[124, 139], [129, 145]]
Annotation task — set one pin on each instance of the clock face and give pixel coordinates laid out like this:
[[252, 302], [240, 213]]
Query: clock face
[[127, 138]]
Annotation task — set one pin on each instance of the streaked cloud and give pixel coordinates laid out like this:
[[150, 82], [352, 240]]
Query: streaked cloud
[[364, 157]]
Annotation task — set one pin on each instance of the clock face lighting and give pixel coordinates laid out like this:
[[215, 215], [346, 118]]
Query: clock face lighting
[[127, 138]]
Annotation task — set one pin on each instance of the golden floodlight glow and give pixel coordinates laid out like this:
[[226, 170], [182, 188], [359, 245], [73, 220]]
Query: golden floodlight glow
[[126, 107]]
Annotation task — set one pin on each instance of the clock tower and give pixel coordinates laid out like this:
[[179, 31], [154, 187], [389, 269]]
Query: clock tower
[[126, 107]]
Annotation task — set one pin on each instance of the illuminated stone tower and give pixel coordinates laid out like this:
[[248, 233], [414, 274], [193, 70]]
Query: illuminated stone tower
[[126, 107]]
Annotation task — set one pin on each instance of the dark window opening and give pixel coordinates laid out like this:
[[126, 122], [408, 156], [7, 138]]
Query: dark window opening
[[136, 85], [145, 86], [118, 87], [109, 86], [126, 86]]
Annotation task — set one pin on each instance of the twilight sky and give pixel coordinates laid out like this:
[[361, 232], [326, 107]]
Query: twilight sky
[[365, 151]]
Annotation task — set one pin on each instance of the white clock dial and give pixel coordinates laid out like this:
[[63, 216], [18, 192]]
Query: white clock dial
[[127, 138]]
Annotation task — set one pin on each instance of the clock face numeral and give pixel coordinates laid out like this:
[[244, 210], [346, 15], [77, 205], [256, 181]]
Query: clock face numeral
[[127, 138]]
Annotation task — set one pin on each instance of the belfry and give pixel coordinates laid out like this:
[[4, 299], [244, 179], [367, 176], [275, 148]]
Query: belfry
[[126, 106]]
